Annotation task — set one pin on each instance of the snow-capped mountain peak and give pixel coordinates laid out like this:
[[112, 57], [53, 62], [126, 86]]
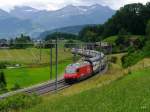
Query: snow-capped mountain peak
[[32, 20], [24, 8]]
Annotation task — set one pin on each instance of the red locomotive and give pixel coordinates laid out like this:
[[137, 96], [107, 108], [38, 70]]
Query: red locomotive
[[78, 71], [86, 68]]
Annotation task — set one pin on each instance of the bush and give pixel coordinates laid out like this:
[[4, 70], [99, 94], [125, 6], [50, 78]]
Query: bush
[[18, 102], [113, 59], [129, 72], [3, 83], [70, 44], [48, 44], [2, 78], [146, 49], [3, 88], [135, 56], [21, 42], [15, 87], [3, 65], [132, 58]]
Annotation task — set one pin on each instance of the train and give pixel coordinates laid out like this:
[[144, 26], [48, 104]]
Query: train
[[93, 63]]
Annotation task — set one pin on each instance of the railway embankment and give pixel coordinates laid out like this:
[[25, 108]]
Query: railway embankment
[[118, 90], [101, 90]]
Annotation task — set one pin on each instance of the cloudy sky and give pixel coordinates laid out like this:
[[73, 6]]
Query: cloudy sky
[[56, 4]]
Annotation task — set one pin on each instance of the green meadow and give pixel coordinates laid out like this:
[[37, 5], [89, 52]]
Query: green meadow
[[128, 94], [31, 55], [29, 76], [32, 70]]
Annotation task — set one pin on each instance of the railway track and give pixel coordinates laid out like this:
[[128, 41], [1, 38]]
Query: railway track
[[40, 89], [51, 87], [43, 88]]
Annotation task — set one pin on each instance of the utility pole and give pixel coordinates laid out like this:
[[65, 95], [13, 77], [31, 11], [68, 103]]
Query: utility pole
[[75, 54], [109, 54], [82, 47], [56, 75], [100, 45], [51, 64], [40, 51]]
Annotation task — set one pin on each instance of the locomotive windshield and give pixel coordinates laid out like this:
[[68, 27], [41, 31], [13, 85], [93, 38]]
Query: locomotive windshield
[[70, 71], [72, 68]]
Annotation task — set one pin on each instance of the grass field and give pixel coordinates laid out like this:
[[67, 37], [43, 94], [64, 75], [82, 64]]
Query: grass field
[[33, 70], [31, 55], [115, 91], [30, 76], [129, 94], [111, 39]]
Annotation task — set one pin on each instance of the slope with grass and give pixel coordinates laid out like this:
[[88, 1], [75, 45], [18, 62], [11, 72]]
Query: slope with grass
[[129, 94], [111, 39], [118, 90], [133, 57]]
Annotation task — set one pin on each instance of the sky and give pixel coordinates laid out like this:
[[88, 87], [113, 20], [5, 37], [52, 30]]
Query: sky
[[57, 4]]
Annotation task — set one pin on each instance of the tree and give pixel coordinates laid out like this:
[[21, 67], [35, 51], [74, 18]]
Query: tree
[[91, 33], [11, 42], [48, 44], [122, 32], [146, 49], [22, 42], [2, 78], [60, 35], [121, 40], [70, 44], [129, 17], [132, 18], [2, 65], [148, 30], [15, 87]]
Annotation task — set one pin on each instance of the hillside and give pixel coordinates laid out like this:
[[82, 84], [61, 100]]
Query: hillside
[[126, 21], [103, 94], [115, 89], [69, 29]]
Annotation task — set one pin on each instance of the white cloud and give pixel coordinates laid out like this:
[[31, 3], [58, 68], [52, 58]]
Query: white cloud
[[55, 4], [121, 3]]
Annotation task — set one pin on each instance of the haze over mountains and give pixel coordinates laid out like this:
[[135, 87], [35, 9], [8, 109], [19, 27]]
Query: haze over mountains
[[32, 21]]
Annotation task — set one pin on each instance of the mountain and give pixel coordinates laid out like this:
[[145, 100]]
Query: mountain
[[23, 12], [70, 29], [4, 14], [12, 26], [74, 15], [24, 19]]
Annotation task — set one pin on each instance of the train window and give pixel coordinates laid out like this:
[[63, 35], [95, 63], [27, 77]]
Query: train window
[[70, 71]]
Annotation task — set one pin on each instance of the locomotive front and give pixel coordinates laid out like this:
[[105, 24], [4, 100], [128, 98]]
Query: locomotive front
[[71, 72], [78, 71]]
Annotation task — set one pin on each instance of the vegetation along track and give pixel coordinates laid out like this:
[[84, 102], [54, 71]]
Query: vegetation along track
[[51, 87], [40, 89], [44, 88]]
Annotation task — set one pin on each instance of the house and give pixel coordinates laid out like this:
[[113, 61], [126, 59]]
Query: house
[[4, 43]]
